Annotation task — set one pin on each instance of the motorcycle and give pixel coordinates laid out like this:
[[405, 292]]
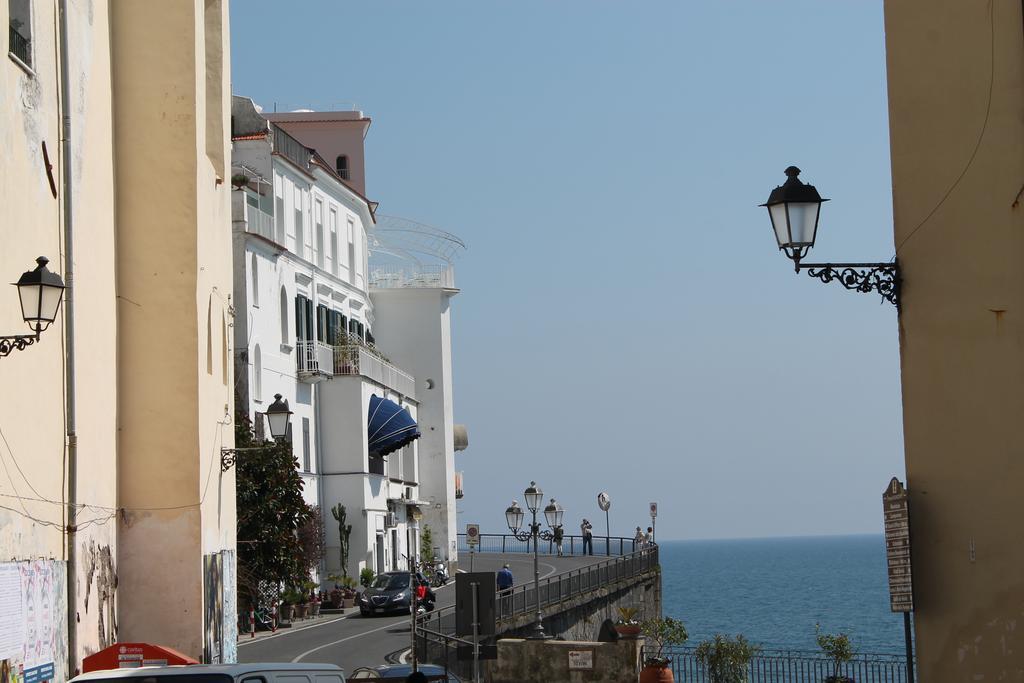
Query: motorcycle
[[440, 573], [425, 597]]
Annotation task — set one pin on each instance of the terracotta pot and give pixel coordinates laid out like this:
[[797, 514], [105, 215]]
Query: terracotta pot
[[656, 673], [301, 611], [628, 630], [286, 612], [314, 608]]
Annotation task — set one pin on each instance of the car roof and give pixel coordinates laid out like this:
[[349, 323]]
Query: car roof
[[196, 669]]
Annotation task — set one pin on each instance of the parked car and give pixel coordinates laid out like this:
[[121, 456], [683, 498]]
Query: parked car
[[219, 673], [399, 672], [392, 592]]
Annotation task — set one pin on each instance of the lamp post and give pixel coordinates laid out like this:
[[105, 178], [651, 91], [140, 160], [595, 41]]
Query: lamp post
[[794, 208], [40, 293], [278, 416], [514, 516]]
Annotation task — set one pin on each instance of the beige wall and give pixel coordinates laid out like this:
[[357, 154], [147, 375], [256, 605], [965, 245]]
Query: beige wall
[[960, 242], [32, 406], [174, 276]]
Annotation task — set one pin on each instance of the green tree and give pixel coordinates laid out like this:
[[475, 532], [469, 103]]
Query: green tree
[[836, 647], [344, 531], [426, 545], [271, 511], [727, 660]]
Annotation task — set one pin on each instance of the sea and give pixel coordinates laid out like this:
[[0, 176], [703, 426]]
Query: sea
[[774, 590]]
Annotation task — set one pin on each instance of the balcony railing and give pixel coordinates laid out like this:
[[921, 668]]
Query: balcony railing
[[20, 46], [291, 149], [259, 223], [422, 277], [358, 360], [314, 359]]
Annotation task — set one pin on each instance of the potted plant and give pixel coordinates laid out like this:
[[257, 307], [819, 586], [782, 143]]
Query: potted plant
[[312, 598], [366, 577], [838, 648], [726, 660], [348, 592], [290, 598], [663, 632], [239, 180], [626, 625]]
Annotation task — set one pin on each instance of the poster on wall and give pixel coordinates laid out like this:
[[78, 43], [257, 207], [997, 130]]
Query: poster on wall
[[32, 630]]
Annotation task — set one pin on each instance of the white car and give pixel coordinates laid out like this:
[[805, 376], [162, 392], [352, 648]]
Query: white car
[[219, 673]]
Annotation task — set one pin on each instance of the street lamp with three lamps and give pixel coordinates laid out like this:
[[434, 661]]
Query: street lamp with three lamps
[[514, 517]]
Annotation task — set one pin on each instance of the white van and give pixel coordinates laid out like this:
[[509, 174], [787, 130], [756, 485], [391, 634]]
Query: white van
[[219, 673]]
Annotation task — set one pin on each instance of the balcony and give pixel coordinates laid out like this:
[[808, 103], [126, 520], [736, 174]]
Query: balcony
[[259, 223], [358, 360], [420, 277], [314, 360], [291, 149]]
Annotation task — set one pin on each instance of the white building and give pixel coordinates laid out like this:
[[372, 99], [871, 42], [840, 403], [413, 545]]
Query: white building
[[305, 324]]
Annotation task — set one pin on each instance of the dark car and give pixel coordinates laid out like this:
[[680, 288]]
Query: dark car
[[389, 592], [399, 672]]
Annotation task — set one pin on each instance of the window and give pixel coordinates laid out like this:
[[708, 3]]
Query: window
[[300, 233], [255, 282], [284, 316], [279, 210], [305, 445], [341, 165], [303, 319], [257, 374], [318, 235], [322, 324], [332, 255], [19, 31], [351, 252]]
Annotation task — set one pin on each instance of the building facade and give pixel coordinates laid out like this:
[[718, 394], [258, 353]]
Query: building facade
[[957, 141], [301, 237], [122, 406]]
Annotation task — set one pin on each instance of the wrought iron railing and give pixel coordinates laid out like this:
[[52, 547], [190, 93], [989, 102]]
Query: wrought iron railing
[[571, 545], [291, 149], [786, 666], [20, 46], [313, 358], [354, 359]]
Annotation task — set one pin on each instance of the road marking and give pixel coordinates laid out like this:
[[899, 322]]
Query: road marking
[[347, 638], [286, 631]]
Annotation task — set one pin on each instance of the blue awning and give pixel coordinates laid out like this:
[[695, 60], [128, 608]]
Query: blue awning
[[390, 426]]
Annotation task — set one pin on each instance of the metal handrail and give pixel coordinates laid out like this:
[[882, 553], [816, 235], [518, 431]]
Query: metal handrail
[[571, 545], [782, 666], [555, 589]]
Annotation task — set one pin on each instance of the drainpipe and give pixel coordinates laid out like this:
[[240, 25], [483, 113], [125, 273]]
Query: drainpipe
[[69, 335]]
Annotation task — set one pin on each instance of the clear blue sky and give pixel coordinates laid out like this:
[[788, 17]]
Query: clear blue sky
[[626, 323]]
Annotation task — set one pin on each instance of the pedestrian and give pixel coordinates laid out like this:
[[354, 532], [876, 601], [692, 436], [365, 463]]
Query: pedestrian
[[586, 530], [505, 583], [649, 537], [638, 540], [557, 536]]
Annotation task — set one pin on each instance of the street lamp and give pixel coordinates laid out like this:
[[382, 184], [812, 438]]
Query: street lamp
[[40, 293], [514, 516], [794, 209], [278, 415]]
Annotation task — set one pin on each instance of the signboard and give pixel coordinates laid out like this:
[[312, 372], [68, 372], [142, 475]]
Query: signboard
[[484, 585], [654, 510], [472, 535], [604, 502], [897, 546], [464, 652], [133, 655], [581, 660]]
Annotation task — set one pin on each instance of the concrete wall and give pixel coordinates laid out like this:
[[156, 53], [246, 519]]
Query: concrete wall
[[548, 661], [413, 328], [174, 270], [956, 109]]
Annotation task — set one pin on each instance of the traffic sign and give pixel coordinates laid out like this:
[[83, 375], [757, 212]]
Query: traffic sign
[[654, 510], [603, 501], [472, 535]]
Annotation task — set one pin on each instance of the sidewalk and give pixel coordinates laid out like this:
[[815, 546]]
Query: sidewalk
[[325, 617]]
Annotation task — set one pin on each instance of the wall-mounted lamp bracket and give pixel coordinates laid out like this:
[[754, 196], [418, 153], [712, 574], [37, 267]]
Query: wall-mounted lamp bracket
[[883, 278], [16, 342]]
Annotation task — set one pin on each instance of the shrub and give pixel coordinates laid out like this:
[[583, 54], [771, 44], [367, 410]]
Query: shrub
[[665, 631], [727, 660], [836, 647]]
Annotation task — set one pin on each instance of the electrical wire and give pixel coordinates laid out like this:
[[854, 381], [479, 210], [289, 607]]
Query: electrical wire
[[981, 134]]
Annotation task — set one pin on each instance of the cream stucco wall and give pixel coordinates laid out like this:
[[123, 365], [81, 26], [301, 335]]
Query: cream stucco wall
[[956, 106], [33, 404], [174, 275]]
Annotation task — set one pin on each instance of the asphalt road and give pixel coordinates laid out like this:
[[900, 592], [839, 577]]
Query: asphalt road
[[355, 641]]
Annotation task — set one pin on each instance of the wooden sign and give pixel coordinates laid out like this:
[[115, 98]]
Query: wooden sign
[[896, 510]]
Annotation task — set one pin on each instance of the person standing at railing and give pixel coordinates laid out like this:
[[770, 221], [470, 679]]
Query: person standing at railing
[[586, 530], [649, 537], [556, 535], [638, 540]]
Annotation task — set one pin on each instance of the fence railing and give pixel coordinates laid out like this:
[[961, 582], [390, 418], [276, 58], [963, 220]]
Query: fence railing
[[425, 276], [313, 357], [785, 666], [356, 360], [292, 149], [571, 545], [259, 223], [20, 46]]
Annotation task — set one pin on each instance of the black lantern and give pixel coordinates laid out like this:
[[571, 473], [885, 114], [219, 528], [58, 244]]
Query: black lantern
[[278, 415], [514, 517], [533, 496], [794, 208], [553, 513], [40, 292]]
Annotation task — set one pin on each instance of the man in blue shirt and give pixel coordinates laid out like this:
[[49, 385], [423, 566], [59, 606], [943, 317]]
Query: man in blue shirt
[[505, 579]]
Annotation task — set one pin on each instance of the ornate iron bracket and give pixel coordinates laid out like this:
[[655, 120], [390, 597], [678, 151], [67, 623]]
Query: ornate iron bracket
[[229, 456], [16, 342], [527, 534], [883, 278]]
